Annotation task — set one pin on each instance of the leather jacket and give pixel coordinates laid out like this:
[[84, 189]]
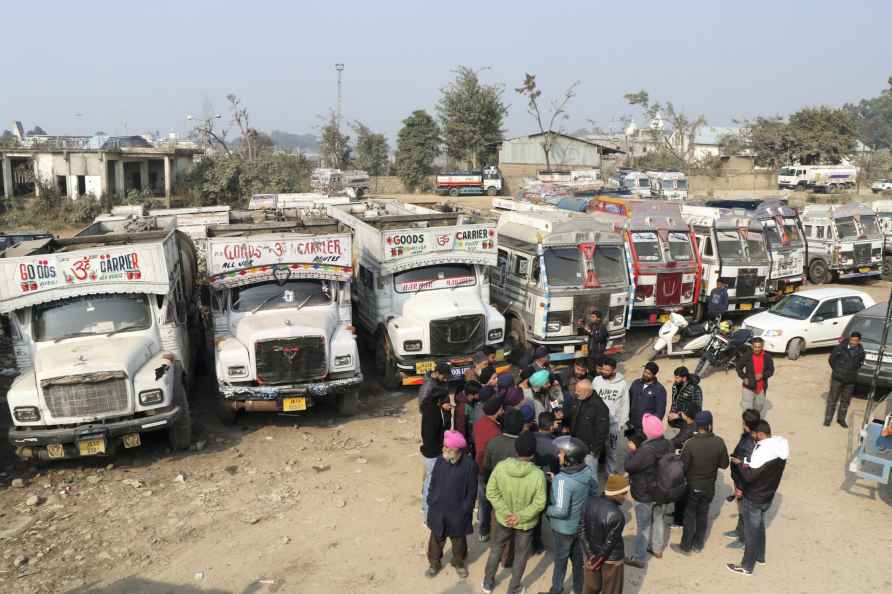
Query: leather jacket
[[601, 529]]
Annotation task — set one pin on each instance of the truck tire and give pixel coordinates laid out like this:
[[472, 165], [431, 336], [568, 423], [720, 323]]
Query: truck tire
[[794, 348], [818, 274], [390, 375], [454, 192], [517, 339], [180, 433], [492, 191], [348, 402], [886, 271]]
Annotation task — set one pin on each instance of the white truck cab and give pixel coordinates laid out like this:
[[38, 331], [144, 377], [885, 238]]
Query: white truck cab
[[636, 182], [844, 241], [421, 294], [104, 327], [787, 248], [668, 185], [817, 178]]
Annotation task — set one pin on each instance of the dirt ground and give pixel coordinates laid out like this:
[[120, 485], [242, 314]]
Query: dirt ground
[[316, 504]]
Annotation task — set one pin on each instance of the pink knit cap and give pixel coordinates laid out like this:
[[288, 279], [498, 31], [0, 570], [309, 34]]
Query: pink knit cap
[[454, 440], [653, 427]]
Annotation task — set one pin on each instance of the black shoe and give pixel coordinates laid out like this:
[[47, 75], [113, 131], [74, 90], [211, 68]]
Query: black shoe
[[842, 423], [462, 572], [680, 550], [827, 422], [697, 549], [432, 571], [734, 568]]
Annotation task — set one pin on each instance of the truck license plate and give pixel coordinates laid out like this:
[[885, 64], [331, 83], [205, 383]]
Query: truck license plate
[[294, 404], [91, 447], [131, 440], [864, 269], [789, 289], [745, 306], [55, 450], [422, 367]]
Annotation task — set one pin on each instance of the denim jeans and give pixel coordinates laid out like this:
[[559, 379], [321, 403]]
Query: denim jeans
[[592, 462], [651, 521], [754, 533], [484, 510], [613, 440], [566, 548], [426, 485], [696, 517]]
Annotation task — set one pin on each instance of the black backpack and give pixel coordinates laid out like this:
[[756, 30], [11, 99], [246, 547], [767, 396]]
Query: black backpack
[[671, 483]]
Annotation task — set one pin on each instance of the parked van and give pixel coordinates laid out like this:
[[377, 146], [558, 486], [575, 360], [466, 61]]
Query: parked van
[[869, 323], [844, 241]]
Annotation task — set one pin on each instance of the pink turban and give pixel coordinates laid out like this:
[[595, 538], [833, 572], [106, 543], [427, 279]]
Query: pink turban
[[454, 440], [653, 427]]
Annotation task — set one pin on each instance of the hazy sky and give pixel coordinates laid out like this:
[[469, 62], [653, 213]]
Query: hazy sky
[[77, 67]]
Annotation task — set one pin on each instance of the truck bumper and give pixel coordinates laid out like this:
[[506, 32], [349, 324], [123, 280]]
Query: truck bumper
[[779, 287], [655, 316], [32, 443], [413, 371], [564, 351], [859, 272], [285, 398], [747, 305]]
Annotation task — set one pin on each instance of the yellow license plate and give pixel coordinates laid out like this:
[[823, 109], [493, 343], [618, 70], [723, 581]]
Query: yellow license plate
[[789, 289], [584, 350], [55, 450], [425, 366], [864, 269], [91, 447], [745, 306], [131, 440], [294, 404], [664, 317]]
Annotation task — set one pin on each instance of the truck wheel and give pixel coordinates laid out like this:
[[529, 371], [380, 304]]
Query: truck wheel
[[492, 191], [226, 415], [180, 433], [454, 192], [390, 375], [517, 340], [886, 271], [817, 272], [348, 402], [794, 348]]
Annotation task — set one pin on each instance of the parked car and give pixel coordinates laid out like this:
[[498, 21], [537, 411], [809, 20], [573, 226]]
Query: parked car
[[881, 185], [807, 319], [869, 322]]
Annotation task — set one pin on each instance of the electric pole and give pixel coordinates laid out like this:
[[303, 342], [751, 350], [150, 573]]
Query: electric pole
[[340, 68]]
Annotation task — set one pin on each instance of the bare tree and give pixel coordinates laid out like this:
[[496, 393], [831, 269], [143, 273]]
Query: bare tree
[[684, 130], [557, 111], [241, 119], [205, 130]]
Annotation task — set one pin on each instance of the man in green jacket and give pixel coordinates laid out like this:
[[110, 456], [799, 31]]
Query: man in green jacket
[[516, 490]]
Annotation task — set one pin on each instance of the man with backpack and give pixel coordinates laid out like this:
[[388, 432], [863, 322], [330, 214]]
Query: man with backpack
[[703, 455], [642, 465]]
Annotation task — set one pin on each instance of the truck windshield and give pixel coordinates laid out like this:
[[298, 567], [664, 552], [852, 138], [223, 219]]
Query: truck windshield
[[681, 184], [845, 227], [788, 236], [869, 225], [787, 171], [609, 265], [647, 247], [272, 295], [440, 276], [730, 245], [794, 306], [755, 244], [680, 246], [563, 267], [91, 314]]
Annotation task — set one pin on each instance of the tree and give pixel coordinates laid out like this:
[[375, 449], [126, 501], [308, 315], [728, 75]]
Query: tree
[[229, 179], [8, 139], [682, 142], [371, 150], [873, 119], [557, 111], [36, 130], [471, 116], [812, 135], [334, 147], [248, 141], [417, 145]]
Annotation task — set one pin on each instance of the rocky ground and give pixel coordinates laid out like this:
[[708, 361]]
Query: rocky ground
[[315, 503]]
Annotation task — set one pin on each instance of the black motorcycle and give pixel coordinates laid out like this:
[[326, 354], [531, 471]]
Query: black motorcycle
[[723, 352]]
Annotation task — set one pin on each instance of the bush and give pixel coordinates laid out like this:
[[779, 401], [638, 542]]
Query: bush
[[233, 180]]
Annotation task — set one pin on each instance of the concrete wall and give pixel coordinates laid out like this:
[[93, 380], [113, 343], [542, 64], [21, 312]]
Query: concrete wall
[[753, 181], [391, 184], [527, 150]]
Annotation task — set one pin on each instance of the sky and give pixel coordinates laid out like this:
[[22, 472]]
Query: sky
[[135, 67]]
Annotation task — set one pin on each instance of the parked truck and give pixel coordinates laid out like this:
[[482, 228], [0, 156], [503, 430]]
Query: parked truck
[[355, 183], [817, 178], [106, 331], [883, 211], [787, 249], [455, 183], [554, 267], [844, 241], [668, 185], [421, 296], [732, 248]]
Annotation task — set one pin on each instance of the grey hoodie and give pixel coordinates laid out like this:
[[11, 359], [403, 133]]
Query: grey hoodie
[[615, 394]]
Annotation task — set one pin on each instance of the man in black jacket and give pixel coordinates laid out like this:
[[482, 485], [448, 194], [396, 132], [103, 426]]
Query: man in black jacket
[[718, 301], [601, 536], [685, 392], [597, 334], [688, 428], [845, 361], [703, 455], [761, 473], [754, 369], [649, 514], [436, 418], [742, 451], [646, 395], [590, 422]]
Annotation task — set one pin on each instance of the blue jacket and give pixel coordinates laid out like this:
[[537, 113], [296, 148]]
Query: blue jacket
[[570, 489], [646, 398], [718, 302]]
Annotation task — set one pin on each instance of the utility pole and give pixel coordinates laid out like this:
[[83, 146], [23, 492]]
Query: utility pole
[[340, 68]]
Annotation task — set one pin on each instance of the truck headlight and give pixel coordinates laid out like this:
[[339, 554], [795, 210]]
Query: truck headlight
[[494, 334], [150, 397], [237, 371], [553, 327], [343, 360], [26, 414], [412, 346]]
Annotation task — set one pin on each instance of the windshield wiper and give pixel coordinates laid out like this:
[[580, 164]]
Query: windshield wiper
[[123, 328], [304, 302], [267, 300], [75, 335]]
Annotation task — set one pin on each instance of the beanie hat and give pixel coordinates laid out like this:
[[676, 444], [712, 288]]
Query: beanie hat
[[703, 418], [540, 352], [538, 379], [454, 440], [529, 414], [652, 367], [512, 422], [653, 427], [617, 484], [525, 446], [506, 380], [492, 406], [513, 397], [444, 369]]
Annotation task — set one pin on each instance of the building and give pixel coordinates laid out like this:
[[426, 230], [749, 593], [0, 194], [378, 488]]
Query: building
[[94, 166]]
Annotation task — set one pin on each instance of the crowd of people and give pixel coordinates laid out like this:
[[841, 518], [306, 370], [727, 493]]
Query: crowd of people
[[526, 447]]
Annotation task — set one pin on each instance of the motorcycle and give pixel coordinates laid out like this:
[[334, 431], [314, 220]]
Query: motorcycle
[[724, 350], [676, 329]]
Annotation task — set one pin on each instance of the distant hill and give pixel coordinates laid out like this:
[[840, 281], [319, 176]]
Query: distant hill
[[307, 143]]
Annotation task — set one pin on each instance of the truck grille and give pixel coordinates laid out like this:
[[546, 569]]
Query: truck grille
[[83, 396], [746, 282], [457, 336], [669, 288], [862, 253], [290, 360]]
